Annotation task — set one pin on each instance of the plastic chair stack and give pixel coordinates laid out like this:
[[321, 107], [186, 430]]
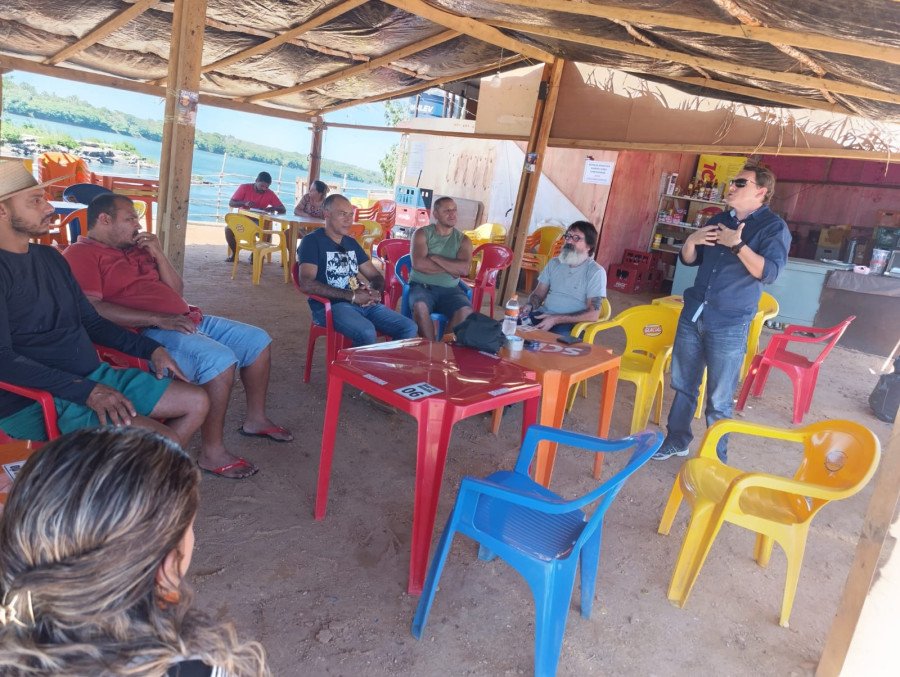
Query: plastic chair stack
[[248, 237], [538, 533], [539, 248], [839, 458], [802, 371]]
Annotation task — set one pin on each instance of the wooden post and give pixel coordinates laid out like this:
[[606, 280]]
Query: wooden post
[[544, 109], [879, 515], [185, 55], [315, 151]]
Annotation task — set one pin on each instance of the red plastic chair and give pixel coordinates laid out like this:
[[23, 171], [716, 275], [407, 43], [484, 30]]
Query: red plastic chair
[[333, 340], [390, 251], [494, 258], [802, 371], [42, 397]]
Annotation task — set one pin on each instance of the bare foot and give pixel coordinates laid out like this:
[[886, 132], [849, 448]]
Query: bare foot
[[266, 428], [224, 464]]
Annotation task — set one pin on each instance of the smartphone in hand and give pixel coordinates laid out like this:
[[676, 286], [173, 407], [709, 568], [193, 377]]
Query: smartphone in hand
[[569, 340]]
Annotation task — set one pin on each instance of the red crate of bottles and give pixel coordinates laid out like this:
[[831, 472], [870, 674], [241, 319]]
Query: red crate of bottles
[[640, 260], [629, 279]]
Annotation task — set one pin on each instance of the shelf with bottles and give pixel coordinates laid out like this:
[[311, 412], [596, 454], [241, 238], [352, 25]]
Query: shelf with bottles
[[717, 203]]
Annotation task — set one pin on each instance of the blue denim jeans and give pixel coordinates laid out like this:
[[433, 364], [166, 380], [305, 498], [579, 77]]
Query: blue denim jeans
[[361, 324], [720, 350]]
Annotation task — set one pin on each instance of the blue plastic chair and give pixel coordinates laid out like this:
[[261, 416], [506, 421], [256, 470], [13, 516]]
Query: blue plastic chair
[[402, 269], [83, 193], [538, 533]]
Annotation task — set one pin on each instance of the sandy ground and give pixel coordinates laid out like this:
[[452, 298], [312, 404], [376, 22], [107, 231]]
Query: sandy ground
[[328, 598]]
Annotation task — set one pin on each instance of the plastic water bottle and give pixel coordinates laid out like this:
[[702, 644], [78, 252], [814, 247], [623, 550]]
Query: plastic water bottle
[[511, 316]]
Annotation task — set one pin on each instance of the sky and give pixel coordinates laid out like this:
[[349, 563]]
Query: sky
[[362, 148]]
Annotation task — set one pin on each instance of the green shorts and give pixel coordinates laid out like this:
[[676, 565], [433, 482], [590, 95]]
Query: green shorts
[[143, 389]]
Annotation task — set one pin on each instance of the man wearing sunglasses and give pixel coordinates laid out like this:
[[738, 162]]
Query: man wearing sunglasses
[[571, 287], [736, 253]]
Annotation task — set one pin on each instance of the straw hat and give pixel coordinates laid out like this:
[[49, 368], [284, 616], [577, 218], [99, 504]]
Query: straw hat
[[15, 178]]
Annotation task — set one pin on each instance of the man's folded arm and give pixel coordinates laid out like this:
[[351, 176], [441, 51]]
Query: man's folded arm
[[109, 334]]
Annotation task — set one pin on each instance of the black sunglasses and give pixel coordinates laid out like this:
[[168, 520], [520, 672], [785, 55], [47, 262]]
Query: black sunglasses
[[741, 182]]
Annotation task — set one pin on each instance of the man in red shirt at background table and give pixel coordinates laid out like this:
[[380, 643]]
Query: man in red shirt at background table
[[254, 195]]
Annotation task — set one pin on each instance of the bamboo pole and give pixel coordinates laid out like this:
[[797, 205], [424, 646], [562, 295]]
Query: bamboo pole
[[315, 151], [544, 108]]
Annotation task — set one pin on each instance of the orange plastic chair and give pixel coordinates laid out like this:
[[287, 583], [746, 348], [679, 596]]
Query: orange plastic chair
[[357, 232], [54, 164], [494, 258], [248, 237], [768, 308], [539, 247], [802, 371], [839, 458], [649, 336]]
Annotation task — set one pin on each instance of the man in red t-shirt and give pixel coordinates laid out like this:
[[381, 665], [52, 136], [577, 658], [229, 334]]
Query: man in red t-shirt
[[127, 278], [254, 195]]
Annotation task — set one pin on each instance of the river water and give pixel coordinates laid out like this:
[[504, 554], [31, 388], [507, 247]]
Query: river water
[[215, 176]]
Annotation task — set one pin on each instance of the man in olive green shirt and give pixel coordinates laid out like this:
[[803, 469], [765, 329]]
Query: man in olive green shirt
[[441, 254]]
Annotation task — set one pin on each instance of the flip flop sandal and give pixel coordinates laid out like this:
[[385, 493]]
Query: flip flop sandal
[[223, 469], [267, 432]]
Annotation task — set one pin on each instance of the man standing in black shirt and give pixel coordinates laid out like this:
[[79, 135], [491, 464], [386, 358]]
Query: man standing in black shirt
[[47, 332]]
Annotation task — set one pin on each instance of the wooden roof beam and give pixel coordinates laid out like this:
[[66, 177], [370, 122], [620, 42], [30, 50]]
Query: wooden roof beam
[[834, 86], [816, 41], [425, 85], [111, 25], [92, 78], [846, 153], [377, 62], [472, 28], [287, 36]]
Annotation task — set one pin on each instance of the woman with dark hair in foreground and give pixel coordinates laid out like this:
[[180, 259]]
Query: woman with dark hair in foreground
[[95, 540]]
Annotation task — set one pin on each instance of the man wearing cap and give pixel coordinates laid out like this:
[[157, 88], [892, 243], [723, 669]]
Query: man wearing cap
[[254, 195], [738, 252], [47, 335], [127, 278]]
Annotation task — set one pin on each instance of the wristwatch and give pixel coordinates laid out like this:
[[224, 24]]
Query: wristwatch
[[736, 248]]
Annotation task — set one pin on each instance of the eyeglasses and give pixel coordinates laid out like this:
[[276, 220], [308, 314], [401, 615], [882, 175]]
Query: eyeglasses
[[741, 182], [572, 237], [341, 214]]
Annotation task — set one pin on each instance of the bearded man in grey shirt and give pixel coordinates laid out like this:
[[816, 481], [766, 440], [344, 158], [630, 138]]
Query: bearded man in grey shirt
[[571, 287]]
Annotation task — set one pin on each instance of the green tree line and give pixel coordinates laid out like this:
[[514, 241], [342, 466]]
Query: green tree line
[[24, 99]]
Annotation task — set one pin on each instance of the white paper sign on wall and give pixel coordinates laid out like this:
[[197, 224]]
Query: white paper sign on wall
[[598, 172]]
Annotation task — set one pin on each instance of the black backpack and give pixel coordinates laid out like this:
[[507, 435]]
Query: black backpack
[[480, 332], [885, 399]]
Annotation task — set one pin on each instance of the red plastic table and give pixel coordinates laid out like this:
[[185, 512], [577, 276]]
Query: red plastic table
[[439, 384]]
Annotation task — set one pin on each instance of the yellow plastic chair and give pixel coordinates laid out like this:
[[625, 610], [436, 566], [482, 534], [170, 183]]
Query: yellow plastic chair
[[538, 250], [248, 236], [578, 330], [649, 335], [486, 233], [839, 458], [768, 308]]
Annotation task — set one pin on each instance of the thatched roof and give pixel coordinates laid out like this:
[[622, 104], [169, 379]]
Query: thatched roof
[[299, 58]]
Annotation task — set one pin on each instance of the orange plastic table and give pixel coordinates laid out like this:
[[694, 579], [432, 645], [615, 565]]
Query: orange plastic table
[[439, 384], [558, 368]]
